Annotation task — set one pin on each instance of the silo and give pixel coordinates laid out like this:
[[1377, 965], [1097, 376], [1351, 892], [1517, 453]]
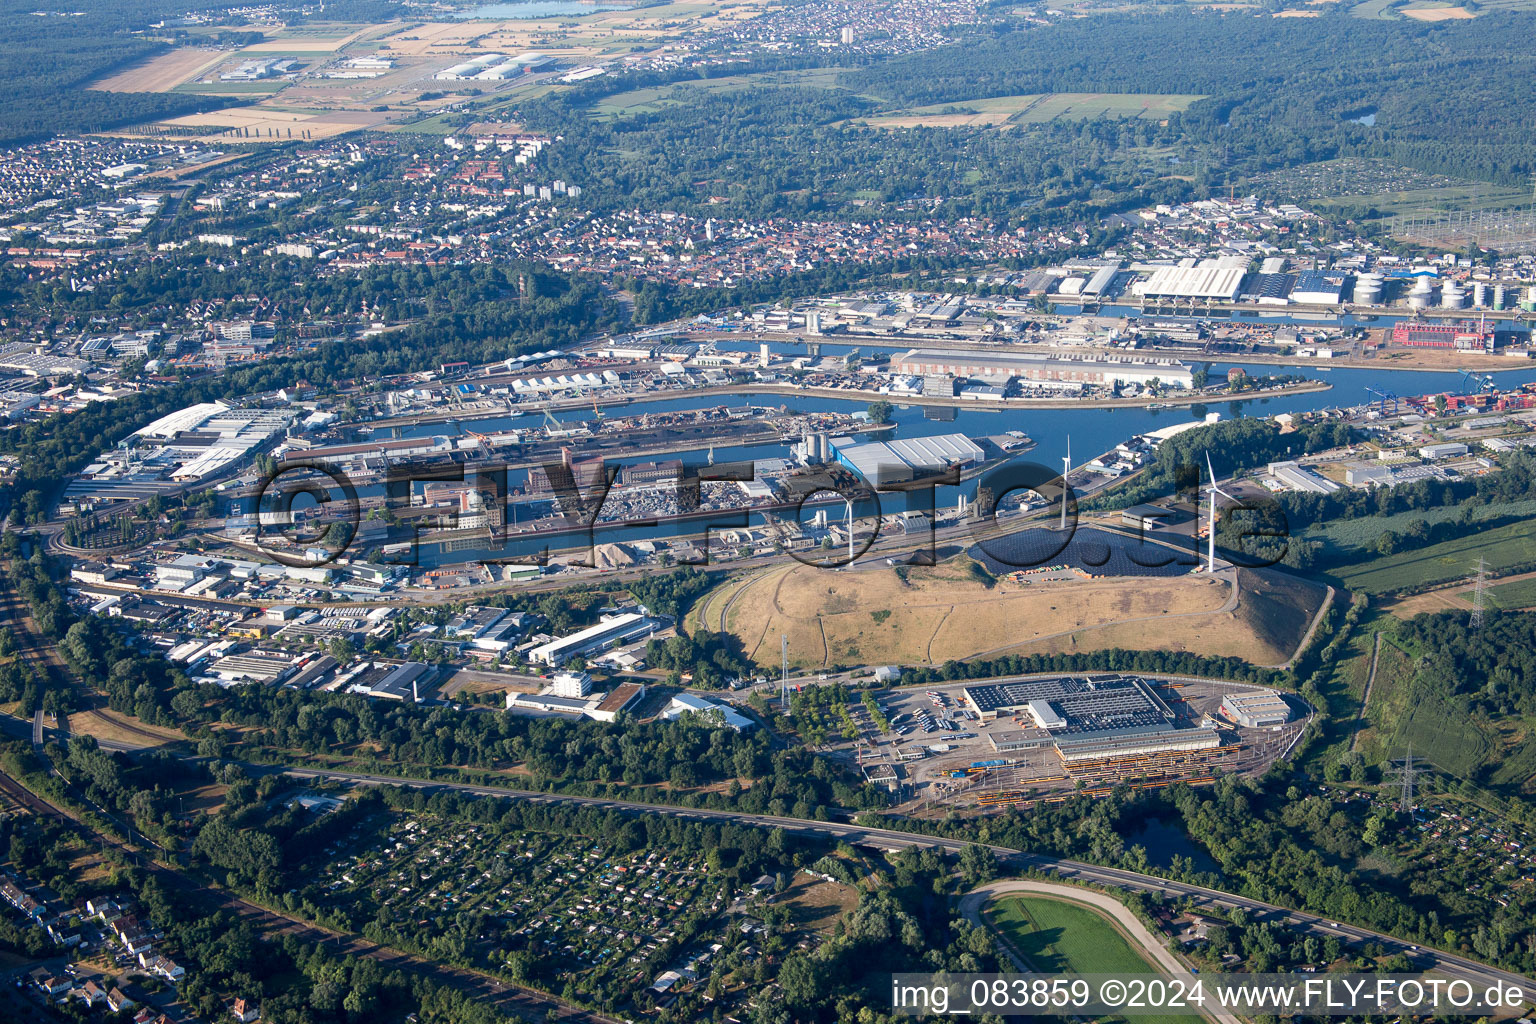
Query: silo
[[1479, 294], [1498, 296]]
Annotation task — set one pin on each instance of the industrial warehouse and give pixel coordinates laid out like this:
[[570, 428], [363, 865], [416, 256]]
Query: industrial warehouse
[[1084, 718], [887, 462], [1062, 370]]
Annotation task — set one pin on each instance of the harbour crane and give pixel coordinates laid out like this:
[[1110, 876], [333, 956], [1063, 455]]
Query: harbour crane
[[1383, 398], [1484, 382]]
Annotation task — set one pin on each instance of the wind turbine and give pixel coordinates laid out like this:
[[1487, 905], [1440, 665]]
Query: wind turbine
[[1211, 532], [1066, 467], [850, 532]]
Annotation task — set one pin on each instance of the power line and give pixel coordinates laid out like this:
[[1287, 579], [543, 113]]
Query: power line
[[1406, 774], [784, 679], [1477, 593]]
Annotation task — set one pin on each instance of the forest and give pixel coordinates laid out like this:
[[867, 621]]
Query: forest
[[1449, 97], [798, 150], [47, 59]]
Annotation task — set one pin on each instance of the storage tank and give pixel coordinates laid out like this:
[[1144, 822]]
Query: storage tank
[[1368, 290], [1498, 296], [1452, 296], [1422, 292], [1479, 294]]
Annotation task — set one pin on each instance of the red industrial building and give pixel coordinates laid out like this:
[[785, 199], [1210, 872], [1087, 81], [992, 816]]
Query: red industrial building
[[1464, 336]]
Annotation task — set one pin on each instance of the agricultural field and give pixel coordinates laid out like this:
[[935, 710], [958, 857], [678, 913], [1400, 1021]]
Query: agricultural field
[[261, 123], [1436, 12], [1515, 595], [1503, 547], [927, 616], [600, 33], [1354, 538], [1007, 111]]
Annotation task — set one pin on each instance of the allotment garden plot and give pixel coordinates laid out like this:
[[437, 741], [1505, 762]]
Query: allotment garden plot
[[477, 894]]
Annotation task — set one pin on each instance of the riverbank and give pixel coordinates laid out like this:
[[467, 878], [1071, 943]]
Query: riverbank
[[850, 395]]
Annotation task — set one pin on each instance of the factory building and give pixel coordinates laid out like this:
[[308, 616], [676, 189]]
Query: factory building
[[688, 704], [1102, 372], [1256, 710], [614, 629], [886, 462], [494, 67], [403, 682], [1463, 336]]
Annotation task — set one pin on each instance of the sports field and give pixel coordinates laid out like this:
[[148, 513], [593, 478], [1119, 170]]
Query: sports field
[[1005, 111], [1062, 937]]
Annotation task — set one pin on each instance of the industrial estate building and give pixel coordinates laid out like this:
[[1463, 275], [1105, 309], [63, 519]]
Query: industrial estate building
[[1220, 283], [1045, 369], [1100, 716], [886, 462], [613, 629], [1463, 336], [1292, 476], [1256, 710]]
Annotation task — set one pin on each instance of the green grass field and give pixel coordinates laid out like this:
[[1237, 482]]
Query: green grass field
[[656, 98], [1504, 547], [1062, 937], [1509, 596], [1036, 109], [1450, 197], [232, 88]]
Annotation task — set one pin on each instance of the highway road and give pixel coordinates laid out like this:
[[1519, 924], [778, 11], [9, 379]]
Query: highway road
[[1078, 871]]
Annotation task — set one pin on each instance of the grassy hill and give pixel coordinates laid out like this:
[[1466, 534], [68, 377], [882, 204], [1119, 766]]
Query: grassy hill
[[926, 616]]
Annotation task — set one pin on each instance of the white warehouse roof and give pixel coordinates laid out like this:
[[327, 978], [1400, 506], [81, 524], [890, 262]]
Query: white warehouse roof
[[189, 418], [1194, 283]]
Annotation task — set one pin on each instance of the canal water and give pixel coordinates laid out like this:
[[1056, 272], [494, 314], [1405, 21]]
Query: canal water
[[1089, 432]]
